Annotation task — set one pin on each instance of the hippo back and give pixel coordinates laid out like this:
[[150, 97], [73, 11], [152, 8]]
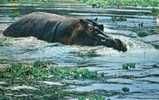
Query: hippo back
[[38, 24]]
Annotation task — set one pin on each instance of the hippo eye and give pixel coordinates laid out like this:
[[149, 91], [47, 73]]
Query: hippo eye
[[91, 28]]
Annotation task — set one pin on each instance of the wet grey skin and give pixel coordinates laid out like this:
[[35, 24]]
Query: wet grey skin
[[63, 29]]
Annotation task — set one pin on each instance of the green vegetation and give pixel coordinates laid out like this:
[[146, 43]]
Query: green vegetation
[[116, 18], [143, 33], [128, 66], [40, 70], [108, 3], [23, 71], [91, 97], [125, 89], [32, 76], [18, 1], [155, 11], [101, 3]]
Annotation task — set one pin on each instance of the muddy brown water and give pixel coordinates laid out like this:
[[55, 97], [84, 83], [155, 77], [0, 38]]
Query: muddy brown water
[[144, 81]]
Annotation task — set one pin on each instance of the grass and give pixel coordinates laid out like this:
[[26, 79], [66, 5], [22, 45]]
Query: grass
[[17, 1], [141, 32], [91, 97], [19, 74], [106, 3], [40, 70]]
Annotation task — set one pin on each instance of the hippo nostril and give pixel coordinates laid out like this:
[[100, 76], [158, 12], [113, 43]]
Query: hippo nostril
[[120, 45], [123, 48]]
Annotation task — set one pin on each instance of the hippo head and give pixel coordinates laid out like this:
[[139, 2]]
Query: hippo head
[[90, 33]]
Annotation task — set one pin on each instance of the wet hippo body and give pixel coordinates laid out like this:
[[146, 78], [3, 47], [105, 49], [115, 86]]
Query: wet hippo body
[[66, 30]]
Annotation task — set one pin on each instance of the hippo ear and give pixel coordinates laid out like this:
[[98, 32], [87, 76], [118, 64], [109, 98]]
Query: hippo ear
[[82, 21], [78, 24], [96, 19], [101, 27]]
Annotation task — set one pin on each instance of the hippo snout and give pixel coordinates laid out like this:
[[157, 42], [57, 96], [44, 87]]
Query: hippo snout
[[108, 41], [120, 45]]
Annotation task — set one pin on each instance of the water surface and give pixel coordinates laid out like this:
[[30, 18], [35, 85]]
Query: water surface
[[142, 81]]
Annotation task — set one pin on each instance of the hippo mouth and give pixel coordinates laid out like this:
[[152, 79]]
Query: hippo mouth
[[103, 39]]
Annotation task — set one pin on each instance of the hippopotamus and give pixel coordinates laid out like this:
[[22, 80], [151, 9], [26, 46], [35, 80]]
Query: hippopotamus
[[63, 29]]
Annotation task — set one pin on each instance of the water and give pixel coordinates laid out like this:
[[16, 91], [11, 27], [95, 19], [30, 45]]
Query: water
[[142, 81]]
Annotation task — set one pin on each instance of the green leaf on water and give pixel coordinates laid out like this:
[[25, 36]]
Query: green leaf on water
[[128, 66], [143, 33], [125, 89]]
